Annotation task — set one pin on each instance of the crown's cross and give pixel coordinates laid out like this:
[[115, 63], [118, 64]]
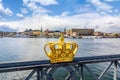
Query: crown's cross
[[60, 51]]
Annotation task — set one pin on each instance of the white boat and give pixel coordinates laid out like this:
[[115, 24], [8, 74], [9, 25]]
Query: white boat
[[91, 37]]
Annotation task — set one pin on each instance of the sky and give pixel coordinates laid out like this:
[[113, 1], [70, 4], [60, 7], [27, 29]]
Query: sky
[[19, 15]]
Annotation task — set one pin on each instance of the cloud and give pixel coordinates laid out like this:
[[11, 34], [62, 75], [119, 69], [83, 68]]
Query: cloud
[[116, 10], [84, 18], [85, 9], [111, 0], [19, 15], [5, 11], [34, 5], [24, 11], [47, 2], [65, 13], [42, 2], [101, 5], [104, 23], [6, 29]]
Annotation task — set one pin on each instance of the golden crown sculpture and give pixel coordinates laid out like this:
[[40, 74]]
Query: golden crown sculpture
[[60, 51]]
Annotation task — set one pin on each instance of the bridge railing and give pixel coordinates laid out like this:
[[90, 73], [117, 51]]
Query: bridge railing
[[44, 70]]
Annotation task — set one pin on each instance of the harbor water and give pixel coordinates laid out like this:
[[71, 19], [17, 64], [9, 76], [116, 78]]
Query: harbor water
[[27, 49]]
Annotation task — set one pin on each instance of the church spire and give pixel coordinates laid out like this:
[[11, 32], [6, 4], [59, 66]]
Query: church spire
[[41, 29]]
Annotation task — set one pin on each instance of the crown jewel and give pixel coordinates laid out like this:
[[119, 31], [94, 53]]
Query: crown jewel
[[60, 51]]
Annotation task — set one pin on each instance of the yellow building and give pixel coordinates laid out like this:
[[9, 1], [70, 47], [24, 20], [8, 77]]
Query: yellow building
[[98, 34], [36, 33]]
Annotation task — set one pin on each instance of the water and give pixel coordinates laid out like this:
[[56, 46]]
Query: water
[[27, 49], [22, 49]]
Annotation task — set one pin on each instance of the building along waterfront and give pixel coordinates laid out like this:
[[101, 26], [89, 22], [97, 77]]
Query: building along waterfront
[[70, 33], [1, 34], [80, 32]]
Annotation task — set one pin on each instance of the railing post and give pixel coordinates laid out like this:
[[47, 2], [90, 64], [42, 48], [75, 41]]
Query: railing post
[[38, 74], [115, 70], [104, 71], [30, 75], [81, 71]]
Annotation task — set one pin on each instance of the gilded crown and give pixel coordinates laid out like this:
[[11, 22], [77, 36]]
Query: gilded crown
[[60, 51]]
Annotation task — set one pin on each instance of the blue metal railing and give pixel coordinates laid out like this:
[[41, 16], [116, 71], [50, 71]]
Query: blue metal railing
[[45, 69]]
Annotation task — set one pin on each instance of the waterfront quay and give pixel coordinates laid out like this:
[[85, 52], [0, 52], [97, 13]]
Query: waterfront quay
[[70, 33], [44, 70]]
